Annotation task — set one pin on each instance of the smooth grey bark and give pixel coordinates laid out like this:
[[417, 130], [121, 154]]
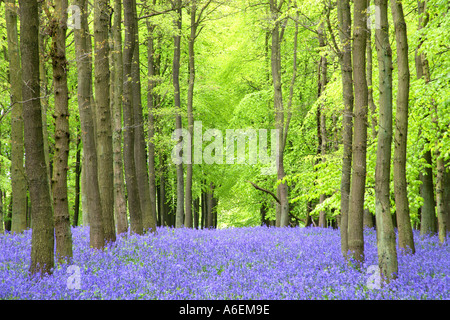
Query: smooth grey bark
[[92, 212], [179, 222], [345, 59], [356, 205], [322, 128], [103, 116], [18, 178], [140, 152], [42, 238], [63, 233], [405, 235], [275, 59], [120, 204], [134, 203], [386, 239]]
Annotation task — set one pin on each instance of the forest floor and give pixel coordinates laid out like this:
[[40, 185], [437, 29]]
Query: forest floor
[[234, 263]]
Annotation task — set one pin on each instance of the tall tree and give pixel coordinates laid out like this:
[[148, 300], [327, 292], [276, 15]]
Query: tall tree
[[140, 156], [358, 181], [322, 127], [63, 233], [275, 58], [405, 235], [188, 196], [18, 181], [42, 238], [176, 6], [152, 104], [428, 209], [103, 116], [134, 203], [87, 123], [120, 205], [387, 251], [345, 59], [196, 17]]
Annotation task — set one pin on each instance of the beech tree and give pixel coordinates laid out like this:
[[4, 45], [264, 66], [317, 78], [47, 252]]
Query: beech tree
[[18, 178], [63, 233], [358, 180], [42, 239]]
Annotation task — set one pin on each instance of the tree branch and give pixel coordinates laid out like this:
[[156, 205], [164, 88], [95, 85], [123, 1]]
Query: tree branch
[[264, 190]]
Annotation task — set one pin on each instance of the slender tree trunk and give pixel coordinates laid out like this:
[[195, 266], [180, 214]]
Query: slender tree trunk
[[345, 26], [210, 207], [44, 87], [196, 212], [441, 214], [151, 105], [2, 228], [204, 209], [120, 204], [93, 213], [104, 130], [322, 118], [405, 235], [372, 106], [446, 196], [134, 203], [190, 116], [386, 242], [179, 222], [428, 209], [18, 181], [42, 239], [63, 232], [356, 205], [76, 208], [282, 191], [140, 155]]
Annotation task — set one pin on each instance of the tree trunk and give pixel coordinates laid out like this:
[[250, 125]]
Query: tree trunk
[[18, 181], [120, 204], [372, 106], [151, 105], [322, 118], [44, 89], [356, 205], [42, 239], [428, 209], [282, 191], [140, 152], [179, 222], [91, 191], [196, 212], [134, 203], [2, 228], [63, 234], [190, 116], [386, 242], [345, 26], [210, 207], [76, 207], [441, 214], [446, 197], [104, 130], [405, 235]]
